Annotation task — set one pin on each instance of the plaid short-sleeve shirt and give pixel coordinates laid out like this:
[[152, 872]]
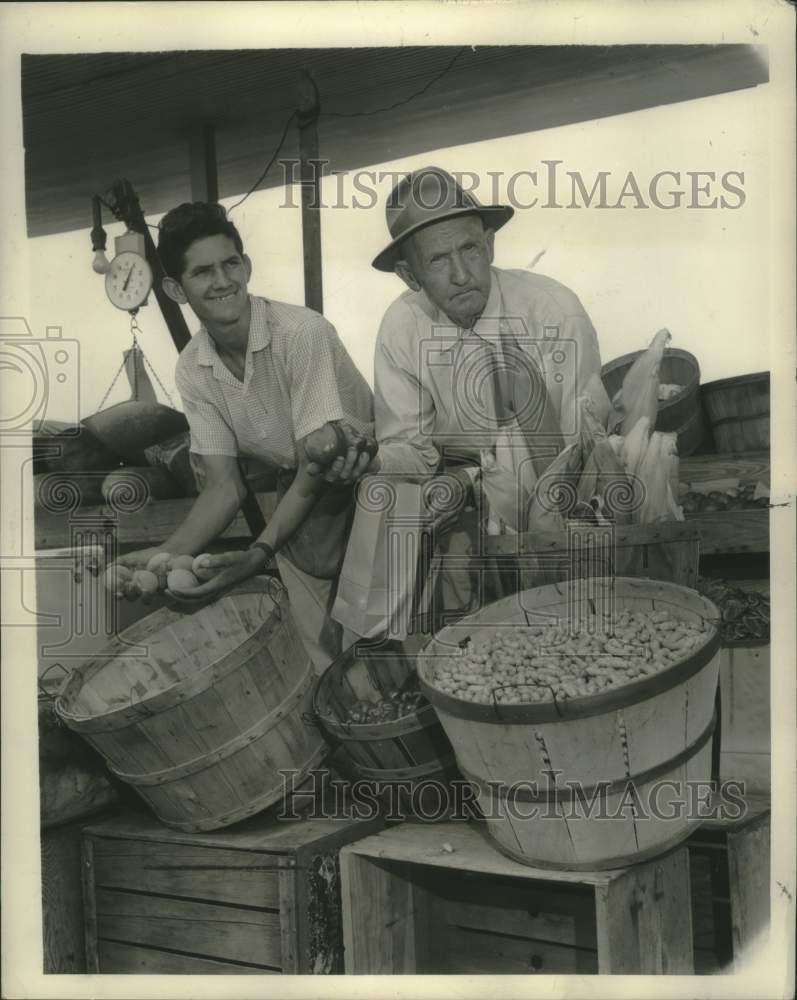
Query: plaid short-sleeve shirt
[[298, 375]]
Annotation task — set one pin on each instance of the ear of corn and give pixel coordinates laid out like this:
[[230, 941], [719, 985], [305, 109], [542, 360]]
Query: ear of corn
[[655, 473], [640, 393], [635, 445], [555, 491]]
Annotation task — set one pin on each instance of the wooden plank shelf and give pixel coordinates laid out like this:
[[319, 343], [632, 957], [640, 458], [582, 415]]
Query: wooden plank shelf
[[728, 531], [148, 526], [699, 470], [725, 531]]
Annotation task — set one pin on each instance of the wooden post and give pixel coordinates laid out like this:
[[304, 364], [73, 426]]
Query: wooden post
[[130, 212], [311, 191], [202, 160]]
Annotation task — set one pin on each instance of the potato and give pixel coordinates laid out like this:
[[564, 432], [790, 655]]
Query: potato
[[181, 579], [146, 581], [324, 445], [159, 563], [181, 562], [116, 577]]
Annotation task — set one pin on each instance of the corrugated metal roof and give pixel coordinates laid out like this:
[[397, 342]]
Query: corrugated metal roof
[[90, 118]]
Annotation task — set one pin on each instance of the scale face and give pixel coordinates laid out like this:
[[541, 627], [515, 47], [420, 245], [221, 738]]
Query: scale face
[[128, 281]]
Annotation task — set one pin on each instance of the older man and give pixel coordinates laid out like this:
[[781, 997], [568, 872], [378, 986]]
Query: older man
[[468, 348]]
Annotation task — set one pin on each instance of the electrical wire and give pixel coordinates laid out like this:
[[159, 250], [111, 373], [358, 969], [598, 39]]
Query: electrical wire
[[268, 167], [398, 104], [350, 114]]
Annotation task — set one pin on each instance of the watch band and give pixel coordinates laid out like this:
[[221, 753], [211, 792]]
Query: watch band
[[266, 548]]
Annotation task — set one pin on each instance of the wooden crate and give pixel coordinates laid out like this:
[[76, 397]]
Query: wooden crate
[[745, 727], [257, 899], [730, 872], [412, 906]]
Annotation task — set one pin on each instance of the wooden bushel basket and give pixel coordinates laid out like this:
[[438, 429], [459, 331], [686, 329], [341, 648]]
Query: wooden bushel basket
[[413, 748], [203, 720], [739, 409], [618, 747]]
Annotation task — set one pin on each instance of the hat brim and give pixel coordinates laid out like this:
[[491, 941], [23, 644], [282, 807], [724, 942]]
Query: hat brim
[[493, 216]]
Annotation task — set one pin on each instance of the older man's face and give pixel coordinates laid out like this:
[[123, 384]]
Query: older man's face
[[451, 262]]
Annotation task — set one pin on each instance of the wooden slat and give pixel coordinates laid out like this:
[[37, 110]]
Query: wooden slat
[[644, 919], [562, 915], [221, 932], [280, 839], [89, 905], [210, 874], [469, 952], [731, 531], [117, 956], [423, 844], [62, 913], [378, 917], [751, 466], [749, 875], [290, 919]]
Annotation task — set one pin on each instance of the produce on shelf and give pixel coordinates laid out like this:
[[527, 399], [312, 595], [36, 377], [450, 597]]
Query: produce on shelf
[[745, 496], [745, 613], [539, 663], [639, 395]]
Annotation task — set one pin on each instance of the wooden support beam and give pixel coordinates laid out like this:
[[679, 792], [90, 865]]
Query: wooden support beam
[[310, 173], [202, 160]]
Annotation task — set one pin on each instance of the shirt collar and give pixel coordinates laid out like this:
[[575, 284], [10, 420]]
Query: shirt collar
[[259, 338]]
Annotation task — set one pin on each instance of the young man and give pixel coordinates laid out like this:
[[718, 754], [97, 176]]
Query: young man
[[257, 378], [470, 348]]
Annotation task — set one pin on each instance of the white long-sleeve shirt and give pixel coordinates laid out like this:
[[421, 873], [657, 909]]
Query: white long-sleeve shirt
[[433, 396]]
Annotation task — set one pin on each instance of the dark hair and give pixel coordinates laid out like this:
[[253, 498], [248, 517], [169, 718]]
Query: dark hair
[[187, 223]]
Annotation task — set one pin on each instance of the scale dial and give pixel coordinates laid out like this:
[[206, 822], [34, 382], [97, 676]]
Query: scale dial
[[128, 280]]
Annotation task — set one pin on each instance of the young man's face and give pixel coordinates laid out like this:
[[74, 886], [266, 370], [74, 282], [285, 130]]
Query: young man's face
[[451, 262], [214, 281]]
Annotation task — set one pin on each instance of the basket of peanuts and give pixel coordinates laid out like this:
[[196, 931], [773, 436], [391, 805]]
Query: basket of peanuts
[[583, 714]]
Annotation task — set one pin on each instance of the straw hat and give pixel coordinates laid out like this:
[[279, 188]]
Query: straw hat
[[427, 196]]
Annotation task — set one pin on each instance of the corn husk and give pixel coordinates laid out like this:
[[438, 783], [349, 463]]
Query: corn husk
[[507, 480], [555, 492], [639, 396], [656, 474], [635, 446]]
